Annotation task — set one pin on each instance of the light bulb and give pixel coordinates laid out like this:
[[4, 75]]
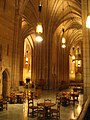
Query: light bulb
[[63, 40], [88, 22], [39, 28], [39, 38], [63, 45]]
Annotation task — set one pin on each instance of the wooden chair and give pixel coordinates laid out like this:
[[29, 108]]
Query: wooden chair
[[65, 101], [48, 109], [32, 109], [24, 96], [12, 98], [29, 94], [40, 112], [72, 98], [47, 100], [58, 98], [3, 104], [55, 113], [76, 95]]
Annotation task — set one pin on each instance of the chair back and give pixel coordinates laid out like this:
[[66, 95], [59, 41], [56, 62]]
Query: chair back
[[40, 107], [58, 107], [30, 102], [47, 100], [40, 112]]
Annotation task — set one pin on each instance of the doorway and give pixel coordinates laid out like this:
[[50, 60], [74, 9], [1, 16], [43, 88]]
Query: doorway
[[4, 83]]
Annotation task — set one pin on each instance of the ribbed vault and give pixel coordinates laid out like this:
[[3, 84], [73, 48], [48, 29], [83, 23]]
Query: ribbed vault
[[55, 14], [49, 57]]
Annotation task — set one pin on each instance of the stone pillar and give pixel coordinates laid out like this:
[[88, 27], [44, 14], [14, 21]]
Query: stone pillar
[[15, 53], [86, 48]]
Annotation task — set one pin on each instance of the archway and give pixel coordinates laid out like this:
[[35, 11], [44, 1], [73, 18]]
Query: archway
[[28, 46], [4, 83], [76, 65]]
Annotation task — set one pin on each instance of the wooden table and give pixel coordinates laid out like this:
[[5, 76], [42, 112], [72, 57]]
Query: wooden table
[[79, 89], [47, 106]]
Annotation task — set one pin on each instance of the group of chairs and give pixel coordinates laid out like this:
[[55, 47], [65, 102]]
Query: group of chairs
[[20, 97], [17, 97], [66, 98], [43, 112]]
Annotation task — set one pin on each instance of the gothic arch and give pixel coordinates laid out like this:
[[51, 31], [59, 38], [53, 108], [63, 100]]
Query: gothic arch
[[5, 82]]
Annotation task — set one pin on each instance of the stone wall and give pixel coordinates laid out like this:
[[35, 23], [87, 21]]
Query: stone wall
[[6, 39]]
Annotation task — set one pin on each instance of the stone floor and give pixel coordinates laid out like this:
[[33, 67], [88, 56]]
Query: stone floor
[[19, 111]]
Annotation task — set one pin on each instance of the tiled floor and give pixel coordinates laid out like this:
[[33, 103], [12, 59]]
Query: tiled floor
[[19, 111]]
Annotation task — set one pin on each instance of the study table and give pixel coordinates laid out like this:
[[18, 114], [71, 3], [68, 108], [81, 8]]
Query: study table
[[47, 106]]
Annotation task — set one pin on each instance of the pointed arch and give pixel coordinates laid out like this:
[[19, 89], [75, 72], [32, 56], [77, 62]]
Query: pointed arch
[[5, 81]]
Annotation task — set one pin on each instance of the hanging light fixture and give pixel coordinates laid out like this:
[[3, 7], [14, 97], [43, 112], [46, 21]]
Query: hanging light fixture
[[39, 38], [63, 40], [39, 28], [63, 45], [26, 60], [73, 58], [79, 63], [26, 57], [88, 21]]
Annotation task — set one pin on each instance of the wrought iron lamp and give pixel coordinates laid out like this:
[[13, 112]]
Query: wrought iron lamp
[[26, 57], [39, 28], [63, 40]]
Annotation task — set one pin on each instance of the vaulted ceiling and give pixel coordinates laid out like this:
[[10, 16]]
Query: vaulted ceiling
[[55, 15]]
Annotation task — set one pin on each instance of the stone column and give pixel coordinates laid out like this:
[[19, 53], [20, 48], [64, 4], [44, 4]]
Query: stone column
[[86, 48], [15, 53]]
